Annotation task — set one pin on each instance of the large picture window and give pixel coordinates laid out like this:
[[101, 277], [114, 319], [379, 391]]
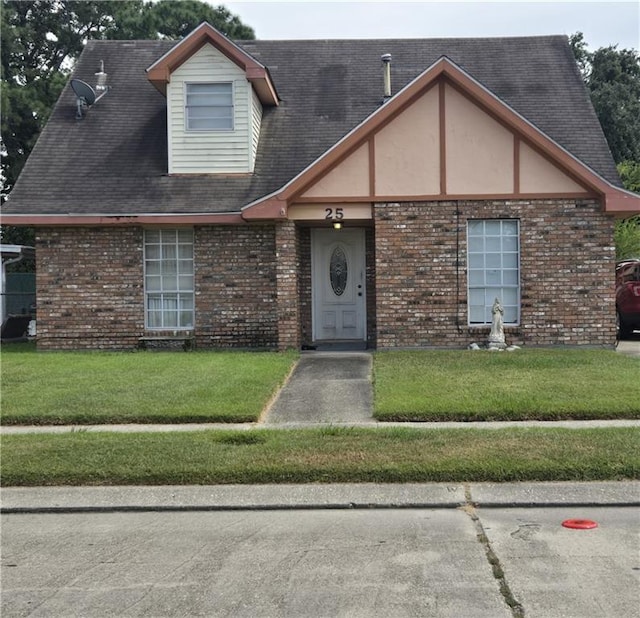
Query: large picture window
[[493, 269], [168, 279], [209, 107]]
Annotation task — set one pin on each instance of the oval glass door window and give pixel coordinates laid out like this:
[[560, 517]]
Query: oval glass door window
[[338, 271]]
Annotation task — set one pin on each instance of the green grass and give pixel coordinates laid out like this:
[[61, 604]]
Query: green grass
[[137, 387], [532, 384], [321, 455]]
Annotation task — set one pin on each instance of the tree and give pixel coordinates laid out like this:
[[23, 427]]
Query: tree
[[630, 175], [627, 238], [612, 77]]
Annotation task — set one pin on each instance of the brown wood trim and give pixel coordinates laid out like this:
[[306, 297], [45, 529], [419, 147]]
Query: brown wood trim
[[516, 164], [441, 197], [123, 220], [160, 71], [372, 166], [443, 136]]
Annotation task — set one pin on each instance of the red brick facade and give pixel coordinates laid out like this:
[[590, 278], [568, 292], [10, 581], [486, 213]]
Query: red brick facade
[[253, 282], [90, 289], [235, 276], [567, 264]]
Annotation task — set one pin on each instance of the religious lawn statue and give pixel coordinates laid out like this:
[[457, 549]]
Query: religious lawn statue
[[496, 336]]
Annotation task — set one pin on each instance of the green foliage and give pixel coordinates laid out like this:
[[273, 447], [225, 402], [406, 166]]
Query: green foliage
[[630, 175], [174, 19], [627, 238], [612, 77]]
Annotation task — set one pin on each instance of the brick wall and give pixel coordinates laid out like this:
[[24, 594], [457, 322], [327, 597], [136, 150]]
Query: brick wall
[[370, 282], [288, 247], [235, 284], [304, 286], [89, 288], [567, 266]]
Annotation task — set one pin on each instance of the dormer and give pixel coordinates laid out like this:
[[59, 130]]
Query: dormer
[[215, 95]]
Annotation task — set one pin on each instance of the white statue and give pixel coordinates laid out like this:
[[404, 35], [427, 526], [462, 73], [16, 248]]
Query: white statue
[[497, 329]]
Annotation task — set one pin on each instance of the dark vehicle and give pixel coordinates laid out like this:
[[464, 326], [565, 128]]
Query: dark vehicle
[[628, 297]]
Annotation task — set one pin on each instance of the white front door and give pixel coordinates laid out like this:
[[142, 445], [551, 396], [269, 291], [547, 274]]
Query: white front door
[[338, 284]]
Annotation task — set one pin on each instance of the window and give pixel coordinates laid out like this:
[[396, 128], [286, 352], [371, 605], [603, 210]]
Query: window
[[209, 107], [168, 279], [493, 269]]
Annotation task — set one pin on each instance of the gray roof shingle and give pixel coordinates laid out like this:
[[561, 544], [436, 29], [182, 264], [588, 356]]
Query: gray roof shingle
[[114, 161]]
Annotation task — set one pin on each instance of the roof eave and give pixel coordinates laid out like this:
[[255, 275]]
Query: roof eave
[[102, 220], [159, 73], [622, 203]]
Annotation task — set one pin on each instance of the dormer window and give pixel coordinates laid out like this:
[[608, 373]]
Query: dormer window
[[209, 107]]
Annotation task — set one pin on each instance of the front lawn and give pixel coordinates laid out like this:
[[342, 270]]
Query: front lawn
[[329, 455], [43, 388], [528, 384]]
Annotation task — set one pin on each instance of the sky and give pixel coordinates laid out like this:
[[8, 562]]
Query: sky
[[603, 23]]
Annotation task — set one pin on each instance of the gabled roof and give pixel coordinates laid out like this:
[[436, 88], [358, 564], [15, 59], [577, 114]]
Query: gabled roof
[[272, 206], [112, 165], [159, 73]]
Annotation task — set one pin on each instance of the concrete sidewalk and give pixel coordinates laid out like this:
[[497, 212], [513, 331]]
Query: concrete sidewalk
[[315, 496], [326, 387]]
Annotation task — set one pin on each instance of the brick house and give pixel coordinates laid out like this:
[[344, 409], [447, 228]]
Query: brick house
[[279, 194]]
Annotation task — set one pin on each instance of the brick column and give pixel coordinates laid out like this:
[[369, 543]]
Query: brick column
[[287, 265]]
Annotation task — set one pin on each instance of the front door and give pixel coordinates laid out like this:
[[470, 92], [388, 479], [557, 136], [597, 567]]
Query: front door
[[338, 284]]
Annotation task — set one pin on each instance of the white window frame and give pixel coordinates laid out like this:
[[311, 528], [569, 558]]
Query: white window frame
[[167, 280], [190, 105], [493, 270]]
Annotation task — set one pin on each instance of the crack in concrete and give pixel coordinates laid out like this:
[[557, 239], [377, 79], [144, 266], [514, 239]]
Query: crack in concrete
[[517, 610]]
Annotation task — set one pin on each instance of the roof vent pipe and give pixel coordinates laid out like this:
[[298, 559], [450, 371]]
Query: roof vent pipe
[[101, 77], [386, 67]]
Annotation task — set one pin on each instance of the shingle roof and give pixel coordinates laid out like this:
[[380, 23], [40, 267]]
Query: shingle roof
[[114, 161]]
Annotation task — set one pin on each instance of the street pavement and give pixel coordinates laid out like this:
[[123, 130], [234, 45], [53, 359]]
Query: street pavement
[[439, 550]]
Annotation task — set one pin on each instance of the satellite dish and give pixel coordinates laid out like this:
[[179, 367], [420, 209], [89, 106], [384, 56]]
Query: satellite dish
[[85, 94], [83, 91]]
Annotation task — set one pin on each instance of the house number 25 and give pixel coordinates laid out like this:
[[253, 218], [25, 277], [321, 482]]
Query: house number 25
[[330, 213]]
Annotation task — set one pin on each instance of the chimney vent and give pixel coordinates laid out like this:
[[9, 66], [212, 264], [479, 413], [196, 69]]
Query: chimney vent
[[386, 67]]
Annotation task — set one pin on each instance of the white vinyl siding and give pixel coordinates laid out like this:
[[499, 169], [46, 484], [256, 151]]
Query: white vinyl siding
[[209, 152], [209, 107], [168, 279], [256, 121], [493, 269]]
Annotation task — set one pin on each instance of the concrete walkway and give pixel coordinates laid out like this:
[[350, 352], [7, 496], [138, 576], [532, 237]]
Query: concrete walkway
[[326, 387]]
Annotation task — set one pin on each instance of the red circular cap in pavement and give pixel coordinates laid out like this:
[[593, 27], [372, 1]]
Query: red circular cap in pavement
[[580, 524]]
